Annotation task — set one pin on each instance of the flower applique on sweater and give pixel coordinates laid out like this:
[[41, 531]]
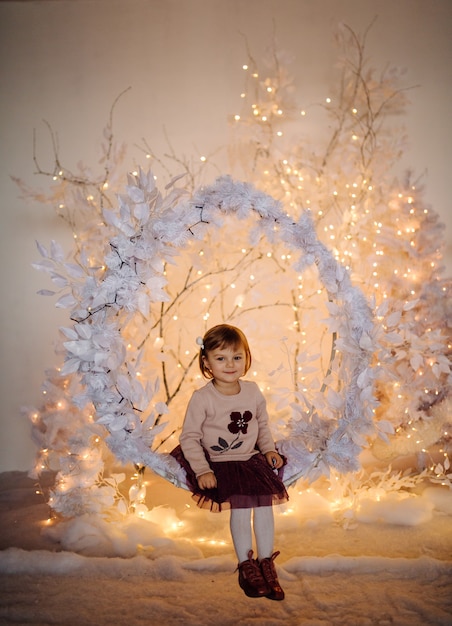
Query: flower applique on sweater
[[237, 425]]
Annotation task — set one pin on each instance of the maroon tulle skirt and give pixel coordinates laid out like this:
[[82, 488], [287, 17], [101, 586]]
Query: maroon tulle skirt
[[240, 484]]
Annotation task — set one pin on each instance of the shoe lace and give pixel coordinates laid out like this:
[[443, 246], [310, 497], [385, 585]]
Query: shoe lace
[[252, 572], [268, 569]]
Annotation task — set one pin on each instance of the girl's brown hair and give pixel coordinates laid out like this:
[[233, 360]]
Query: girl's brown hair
[[220, 336]]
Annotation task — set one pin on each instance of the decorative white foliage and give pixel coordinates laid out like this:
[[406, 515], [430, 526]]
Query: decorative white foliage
[[149, 230], [135, 300]]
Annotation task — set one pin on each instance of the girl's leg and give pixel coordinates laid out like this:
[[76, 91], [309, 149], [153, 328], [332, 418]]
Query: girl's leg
[[264, 530], [240, 524], [251, 579]]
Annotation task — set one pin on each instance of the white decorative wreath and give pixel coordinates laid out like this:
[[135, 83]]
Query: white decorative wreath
[[150, 229]]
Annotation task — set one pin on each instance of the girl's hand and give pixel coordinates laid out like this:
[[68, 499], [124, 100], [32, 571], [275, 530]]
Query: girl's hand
[[274, 460], [207, 481]]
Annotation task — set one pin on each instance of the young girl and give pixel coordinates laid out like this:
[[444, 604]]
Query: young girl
[[229, 456]]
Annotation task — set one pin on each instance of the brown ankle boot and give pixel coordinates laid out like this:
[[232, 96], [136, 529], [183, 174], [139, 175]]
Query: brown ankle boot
[[271, 577], [251, 579]]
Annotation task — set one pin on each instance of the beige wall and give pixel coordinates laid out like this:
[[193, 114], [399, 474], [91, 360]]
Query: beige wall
[[66, 61]]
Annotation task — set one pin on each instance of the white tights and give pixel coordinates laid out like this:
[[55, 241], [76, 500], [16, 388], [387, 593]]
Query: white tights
[[264, 530]]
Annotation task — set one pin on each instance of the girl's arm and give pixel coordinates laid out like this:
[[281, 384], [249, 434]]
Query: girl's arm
[[192, 435], [265, 441]]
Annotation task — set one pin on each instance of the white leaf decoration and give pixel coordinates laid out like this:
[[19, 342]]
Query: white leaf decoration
[[365, 342], [46, 292], [394, 338], [56, 251], [411, 305], [141, 211], [84, 331], [393, 319], [135, 193], [416, 361], [80, 348], [75, 271], [66, 302], [70, 333], [60, 281], [42, 250], [385, 426], [70, 367], [44, 266]]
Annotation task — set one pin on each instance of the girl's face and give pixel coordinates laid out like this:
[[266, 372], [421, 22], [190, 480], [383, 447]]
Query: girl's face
[[227, 364]]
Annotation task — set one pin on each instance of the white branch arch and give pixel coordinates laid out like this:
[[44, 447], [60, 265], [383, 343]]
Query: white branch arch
[[150, 229]]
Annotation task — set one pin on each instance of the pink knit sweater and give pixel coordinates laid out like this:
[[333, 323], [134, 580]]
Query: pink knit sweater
[[228, 427]]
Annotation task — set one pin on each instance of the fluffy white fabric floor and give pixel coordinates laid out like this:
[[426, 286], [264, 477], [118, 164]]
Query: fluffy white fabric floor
[[391, 564]]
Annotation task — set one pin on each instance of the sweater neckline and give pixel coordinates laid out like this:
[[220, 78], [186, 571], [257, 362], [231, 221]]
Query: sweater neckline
[[227, 395]]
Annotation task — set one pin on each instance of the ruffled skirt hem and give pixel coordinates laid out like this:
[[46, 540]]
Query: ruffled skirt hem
[[240, 484]]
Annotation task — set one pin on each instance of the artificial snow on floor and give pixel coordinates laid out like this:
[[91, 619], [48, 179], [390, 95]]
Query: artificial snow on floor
[[388, 562]]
